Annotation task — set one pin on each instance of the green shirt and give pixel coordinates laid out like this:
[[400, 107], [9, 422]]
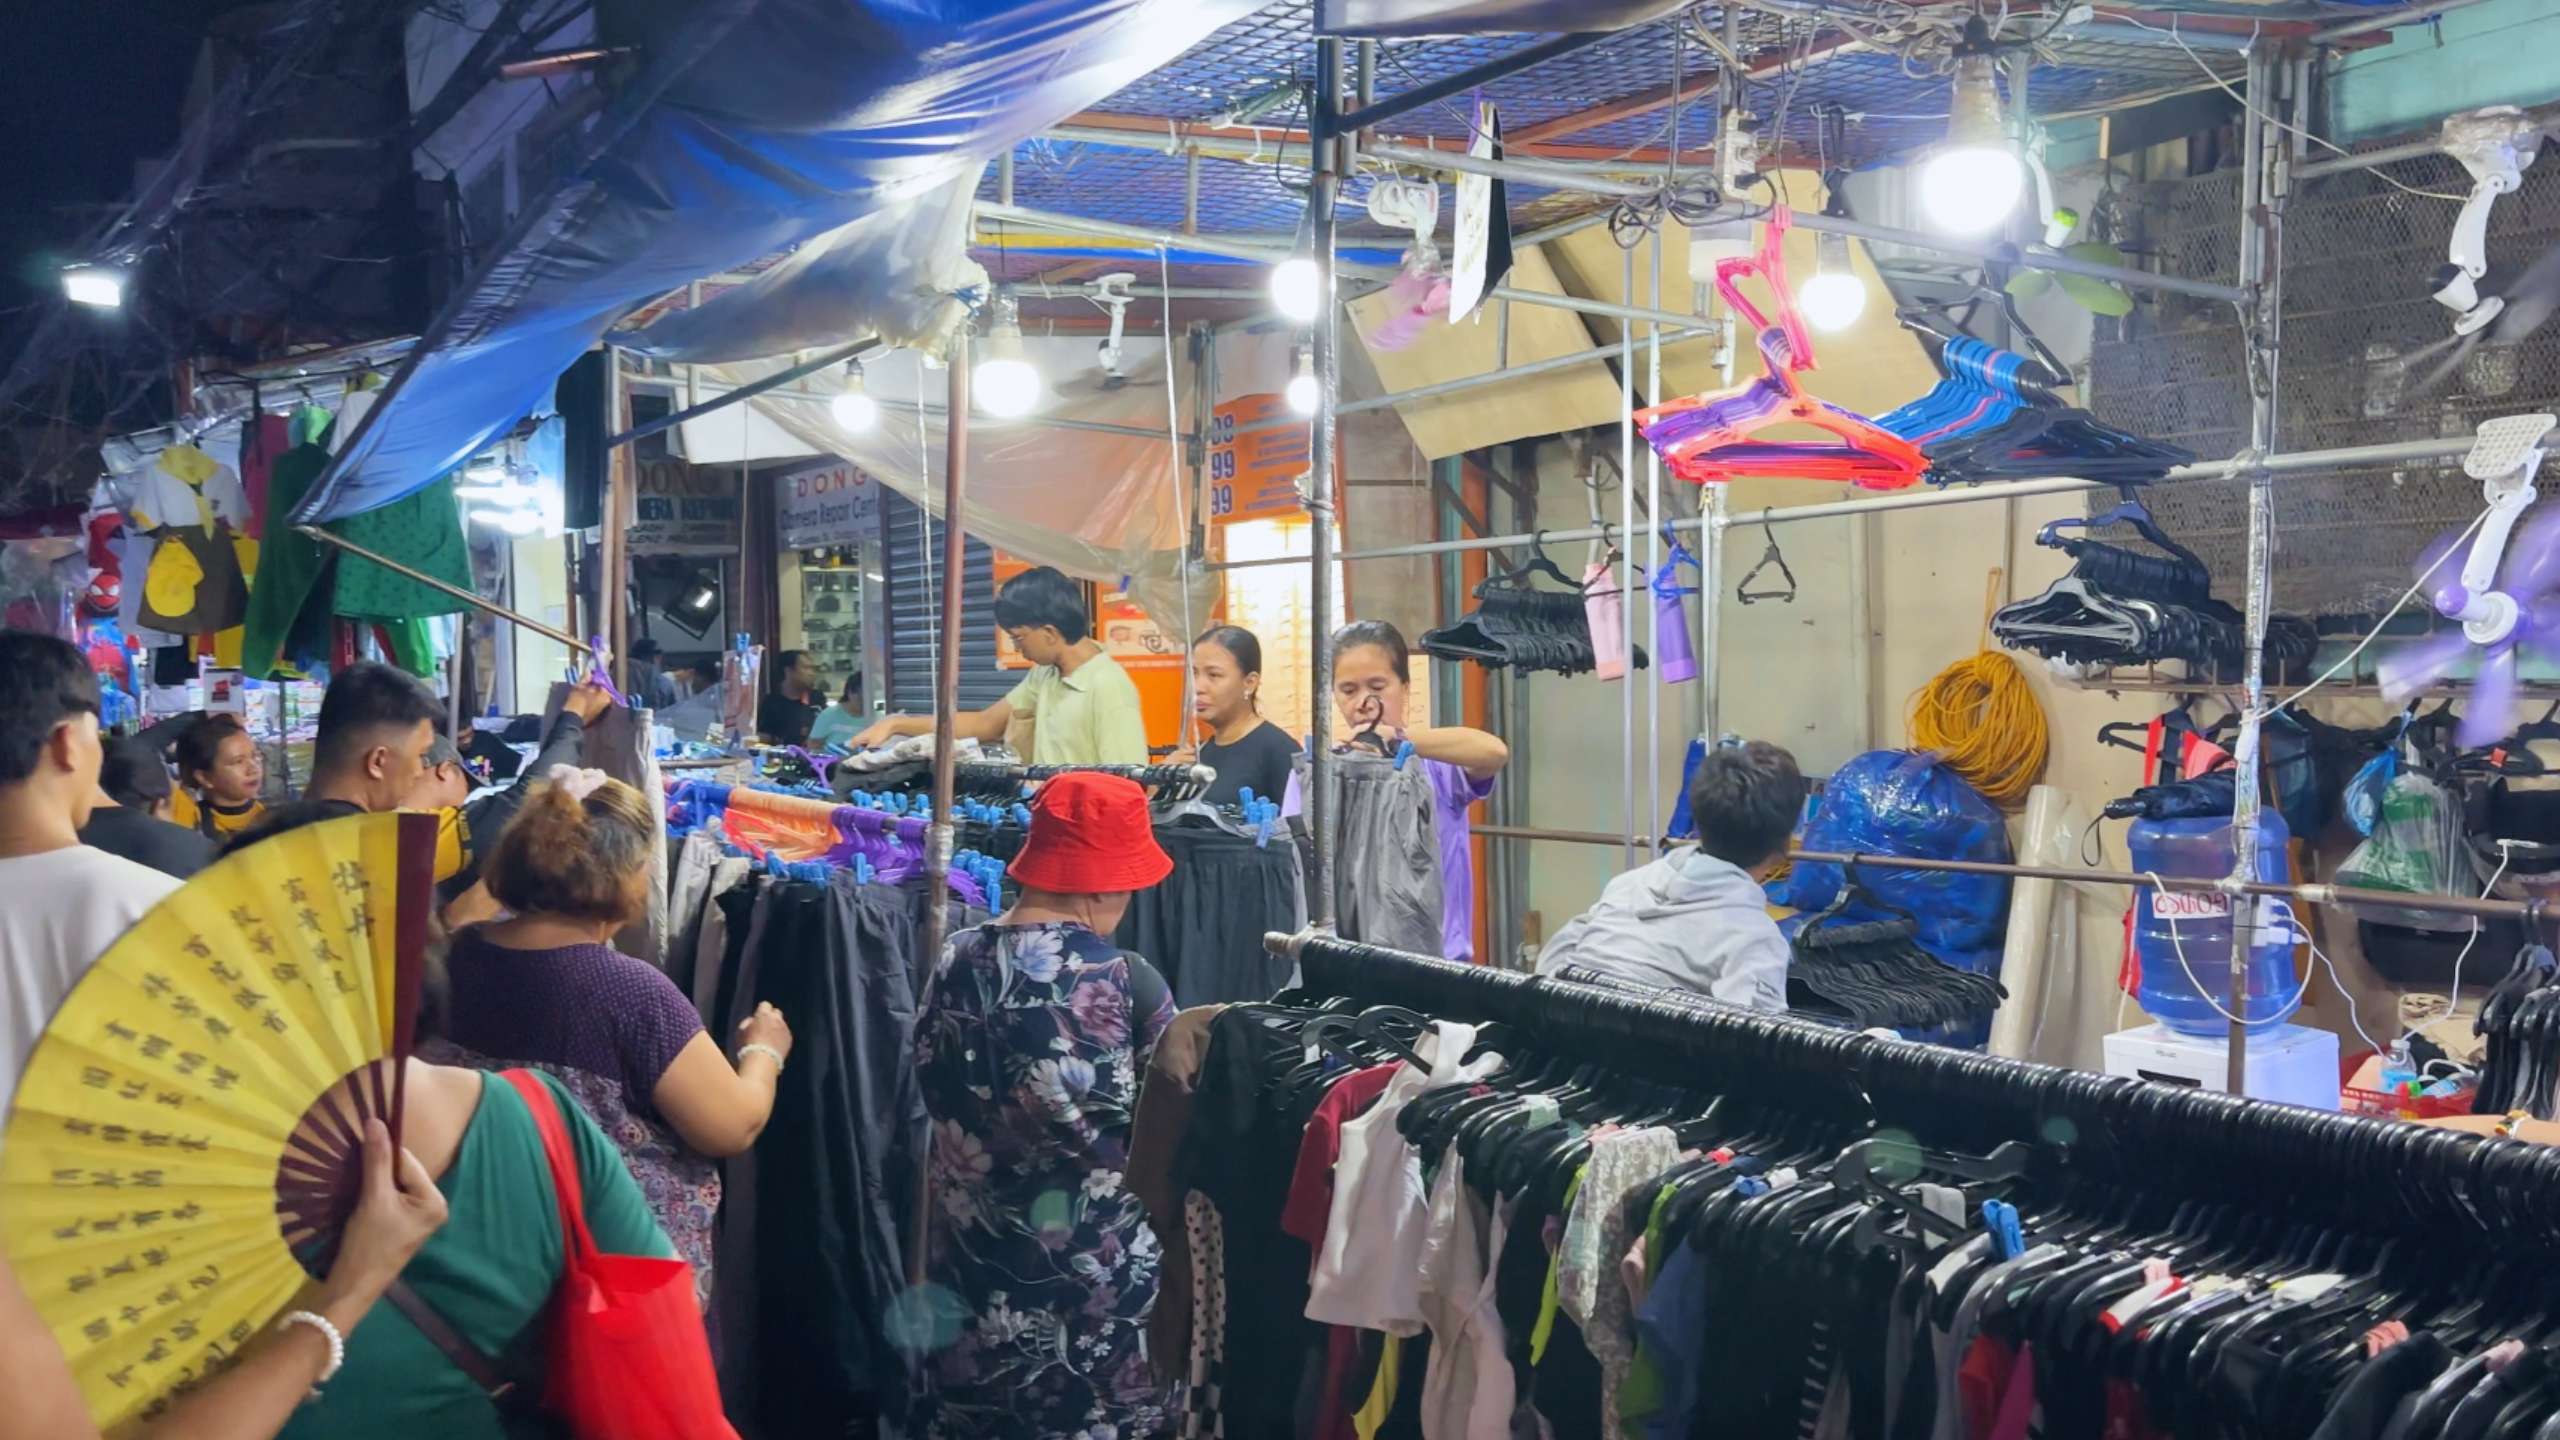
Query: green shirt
[[1088, 718], [490, 1272]]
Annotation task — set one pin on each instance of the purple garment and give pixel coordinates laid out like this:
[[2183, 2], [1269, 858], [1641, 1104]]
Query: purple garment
[[584, 1007], [1455, 791]]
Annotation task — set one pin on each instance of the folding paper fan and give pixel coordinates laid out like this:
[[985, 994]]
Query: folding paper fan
[[188, 1136]]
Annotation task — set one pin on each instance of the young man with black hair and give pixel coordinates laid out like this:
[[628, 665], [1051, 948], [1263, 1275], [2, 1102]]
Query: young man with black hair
[[1082, 707], [1697, 919], [66, 902], [133, 809], [785, 714], [375, 726]]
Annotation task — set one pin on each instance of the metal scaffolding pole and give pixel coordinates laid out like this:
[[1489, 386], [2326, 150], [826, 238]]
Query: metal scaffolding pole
[[1324, 183], [1652, 564], [2261, 147], [1626, 551]]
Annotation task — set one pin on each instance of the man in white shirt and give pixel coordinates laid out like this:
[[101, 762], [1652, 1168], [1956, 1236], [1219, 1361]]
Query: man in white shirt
[[62, 903]]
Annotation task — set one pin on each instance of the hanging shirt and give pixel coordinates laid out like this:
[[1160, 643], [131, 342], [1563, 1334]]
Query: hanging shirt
[[1468, 1387], [1091, 717], [1369, 1272]]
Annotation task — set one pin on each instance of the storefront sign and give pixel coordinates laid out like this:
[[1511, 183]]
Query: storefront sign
[[832, 504], [682, 509], [1254, 475]]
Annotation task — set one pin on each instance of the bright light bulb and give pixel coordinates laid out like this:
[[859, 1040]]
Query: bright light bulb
[[1005, 386], [1303, 393], [98, 285], [1832, 300], [854, 410], [1970, 189], [1295, 289]]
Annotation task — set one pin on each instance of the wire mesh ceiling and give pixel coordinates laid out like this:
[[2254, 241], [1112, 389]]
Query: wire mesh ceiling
[[1878, 106], [2360, 339]]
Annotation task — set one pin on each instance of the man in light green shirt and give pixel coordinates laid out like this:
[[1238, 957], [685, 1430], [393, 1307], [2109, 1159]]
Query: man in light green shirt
[[1082, 707]]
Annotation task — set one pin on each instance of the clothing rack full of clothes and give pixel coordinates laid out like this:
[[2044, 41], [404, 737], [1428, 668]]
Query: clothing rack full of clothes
[[1487, 1203], [819, 909]]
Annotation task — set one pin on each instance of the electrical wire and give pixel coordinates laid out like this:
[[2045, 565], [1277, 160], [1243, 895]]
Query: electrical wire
[[1981, 716], [2453, 993], [2171, 30], [2387, 616]]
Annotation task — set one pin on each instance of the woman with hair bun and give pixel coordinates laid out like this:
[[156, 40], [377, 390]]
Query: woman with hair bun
[[544, 988]]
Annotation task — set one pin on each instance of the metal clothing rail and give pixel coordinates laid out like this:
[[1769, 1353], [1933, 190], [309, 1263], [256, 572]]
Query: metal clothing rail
[[2534, 913], [488, 607], [2396, 452], [2500, 1196]]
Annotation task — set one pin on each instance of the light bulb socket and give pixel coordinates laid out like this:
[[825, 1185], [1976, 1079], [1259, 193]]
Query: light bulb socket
[[1831, 254]]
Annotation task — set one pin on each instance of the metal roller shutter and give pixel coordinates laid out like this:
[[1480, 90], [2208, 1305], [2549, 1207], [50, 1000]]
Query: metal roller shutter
[[915, 594]]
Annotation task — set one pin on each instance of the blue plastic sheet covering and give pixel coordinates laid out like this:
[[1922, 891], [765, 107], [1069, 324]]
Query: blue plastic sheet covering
[[752, 126], [1485, 17], [1901, 802]]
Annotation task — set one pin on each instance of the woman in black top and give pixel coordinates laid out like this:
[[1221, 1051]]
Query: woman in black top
[[1247, 751]]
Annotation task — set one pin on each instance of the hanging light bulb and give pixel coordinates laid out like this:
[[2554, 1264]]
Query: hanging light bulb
[[853, 408], [1969, 185], [1833, 297], [99, 286], [1303, 392], [1005, 384], [1296, 287]]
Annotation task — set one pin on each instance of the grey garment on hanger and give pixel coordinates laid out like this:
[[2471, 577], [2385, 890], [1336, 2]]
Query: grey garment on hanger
[[711, 939], [618, 744], [1386, 857], [688, 893]]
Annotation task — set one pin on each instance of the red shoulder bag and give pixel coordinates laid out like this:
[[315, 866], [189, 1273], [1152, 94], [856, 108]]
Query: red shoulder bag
[[628, 1358]]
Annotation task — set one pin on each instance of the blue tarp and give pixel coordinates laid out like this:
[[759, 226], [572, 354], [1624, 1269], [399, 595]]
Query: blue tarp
[[751, 126]]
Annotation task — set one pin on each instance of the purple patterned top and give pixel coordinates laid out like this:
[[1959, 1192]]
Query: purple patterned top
[[607, 1026], [585, 1007]]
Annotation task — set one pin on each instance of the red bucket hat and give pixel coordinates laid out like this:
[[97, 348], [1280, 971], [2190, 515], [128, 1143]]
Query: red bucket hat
[[1090, 835]]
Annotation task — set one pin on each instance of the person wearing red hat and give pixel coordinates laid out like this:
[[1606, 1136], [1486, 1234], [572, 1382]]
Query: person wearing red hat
[[1034, 1033]]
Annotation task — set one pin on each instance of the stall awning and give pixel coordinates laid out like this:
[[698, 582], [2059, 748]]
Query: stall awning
[[751, 126]]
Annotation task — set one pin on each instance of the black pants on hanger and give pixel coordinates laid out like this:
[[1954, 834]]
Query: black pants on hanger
[[825, 1194], [1202, 927]]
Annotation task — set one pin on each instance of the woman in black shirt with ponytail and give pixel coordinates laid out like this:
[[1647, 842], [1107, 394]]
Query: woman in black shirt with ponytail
[[1247, 751]]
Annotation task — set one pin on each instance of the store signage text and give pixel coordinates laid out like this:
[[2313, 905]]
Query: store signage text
[[683, 509], [835, 504]]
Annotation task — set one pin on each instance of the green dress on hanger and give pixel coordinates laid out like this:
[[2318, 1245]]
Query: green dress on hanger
[[422, 531]]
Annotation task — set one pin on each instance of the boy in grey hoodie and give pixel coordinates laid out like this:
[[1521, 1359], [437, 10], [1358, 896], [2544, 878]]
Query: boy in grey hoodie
[[1697, 919]]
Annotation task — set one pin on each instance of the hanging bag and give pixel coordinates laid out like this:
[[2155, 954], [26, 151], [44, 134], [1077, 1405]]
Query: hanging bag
[[628, 1357]]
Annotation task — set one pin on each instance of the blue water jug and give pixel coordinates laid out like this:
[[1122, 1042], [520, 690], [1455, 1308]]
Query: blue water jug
[[2199, 922]]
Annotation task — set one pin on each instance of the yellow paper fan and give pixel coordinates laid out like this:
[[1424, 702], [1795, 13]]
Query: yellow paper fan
[[192, 1119]]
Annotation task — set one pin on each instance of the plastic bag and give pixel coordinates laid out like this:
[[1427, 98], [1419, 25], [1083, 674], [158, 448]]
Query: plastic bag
[[1901, 802], [2416, 845]]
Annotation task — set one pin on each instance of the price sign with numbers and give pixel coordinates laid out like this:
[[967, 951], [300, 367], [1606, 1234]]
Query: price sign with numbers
[[1254, 472]]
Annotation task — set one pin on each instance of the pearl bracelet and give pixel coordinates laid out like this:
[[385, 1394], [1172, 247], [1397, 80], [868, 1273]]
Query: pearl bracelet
[[758, 1047], [328, 1332]]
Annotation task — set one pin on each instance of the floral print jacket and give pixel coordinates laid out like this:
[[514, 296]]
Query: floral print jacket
[[1042, 1268]]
